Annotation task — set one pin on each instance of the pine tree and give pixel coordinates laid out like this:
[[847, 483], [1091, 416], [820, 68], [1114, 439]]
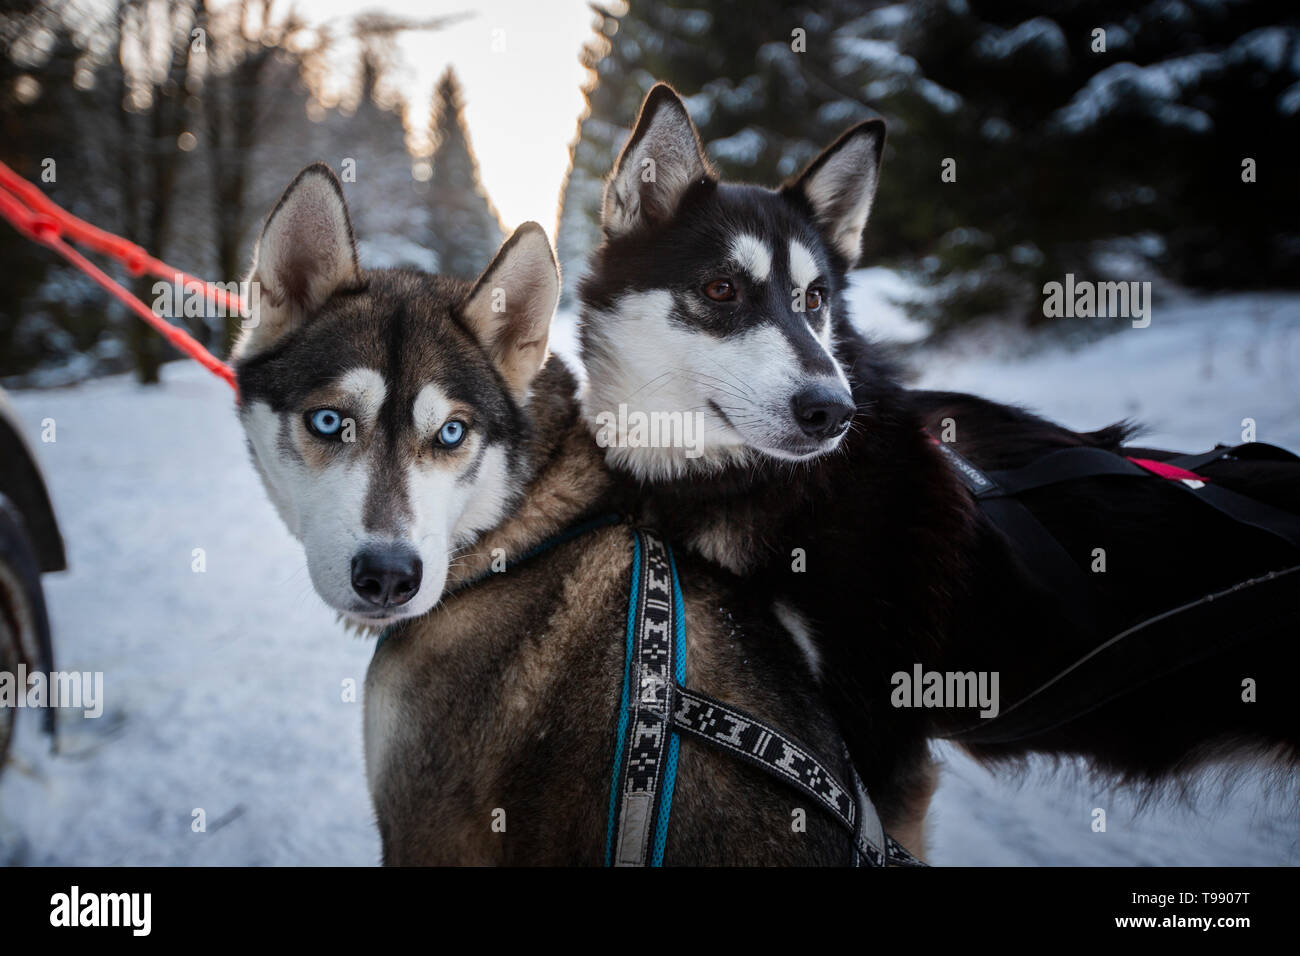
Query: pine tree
[[465, 229], [1064, 157], [34, 325], [1101, 138], [366, 146], [757, 76], [612, 100]]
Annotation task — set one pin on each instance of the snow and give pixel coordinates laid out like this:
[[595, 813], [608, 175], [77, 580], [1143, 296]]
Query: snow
[[997, 129], [1266, 46], [225, 689], [388, 251], [940, 97], [887, 20], [1188, 70], [875, 298], [694, 22], [742, 148], [1203, 365], [1201, 368], [1153, 90], [883, 20], [1041, 36], [1117, 38], [1288, 104], [891, 69], [880, 55]]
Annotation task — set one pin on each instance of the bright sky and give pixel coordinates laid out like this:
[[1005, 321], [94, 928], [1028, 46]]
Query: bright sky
[[518, 65]]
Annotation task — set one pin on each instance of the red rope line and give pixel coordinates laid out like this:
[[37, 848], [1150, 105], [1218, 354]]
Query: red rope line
[[38, 218]]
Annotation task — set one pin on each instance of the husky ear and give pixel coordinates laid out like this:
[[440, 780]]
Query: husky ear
[[840, 184], [661, 160], [510, 307], [305, 253]]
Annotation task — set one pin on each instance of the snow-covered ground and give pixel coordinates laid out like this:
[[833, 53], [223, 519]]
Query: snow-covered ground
[[226, 689]]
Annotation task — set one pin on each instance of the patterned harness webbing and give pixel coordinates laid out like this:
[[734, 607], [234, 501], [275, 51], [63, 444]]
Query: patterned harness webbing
[[655, 704], [645, 766]]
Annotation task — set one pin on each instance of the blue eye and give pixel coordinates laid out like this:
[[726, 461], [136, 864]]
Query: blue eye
[[451, 434], [325, 422]]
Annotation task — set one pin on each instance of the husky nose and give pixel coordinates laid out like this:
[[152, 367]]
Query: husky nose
[[822, 411], [387, 577]]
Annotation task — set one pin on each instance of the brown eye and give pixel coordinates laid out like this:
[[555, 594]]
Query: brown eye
[[720, 290], [812, 300]]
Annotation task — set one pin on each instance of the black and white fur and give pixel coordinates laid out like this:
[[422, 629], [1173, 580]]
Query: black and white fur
[[373, 346], [898, 565], [653, 341], [491, 709]]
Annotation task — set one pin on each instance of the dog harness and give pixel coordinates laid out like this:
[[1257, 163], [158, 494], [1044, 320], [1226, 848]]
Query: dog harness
[[1132, 658], [656, 709]]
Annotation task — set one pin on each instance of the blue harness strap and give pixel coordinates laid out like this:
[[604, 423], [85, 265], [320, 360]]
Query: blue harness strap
[[621, 739], [656, 707], [645, 761]]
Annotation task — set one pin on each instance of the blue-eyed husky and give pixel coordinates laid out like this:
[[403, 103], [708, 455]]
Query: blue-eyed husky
[[412, 438], [727, 301]]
